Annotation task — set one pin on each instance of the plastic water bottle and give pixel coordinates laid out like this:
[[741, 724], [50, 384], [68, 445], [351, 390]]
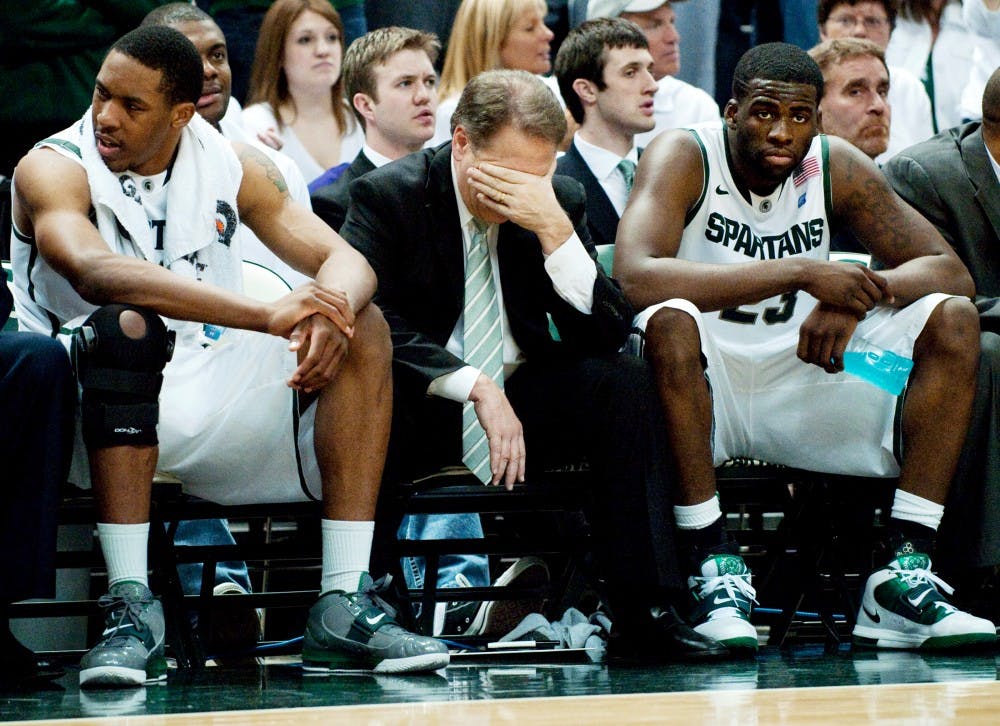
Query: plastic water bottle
[[881, 368]]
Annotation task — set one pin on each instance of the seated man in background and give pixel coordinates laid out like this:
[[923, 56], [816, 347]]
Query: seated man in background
[[37, 403], [131, 214], [953, 179], [475, 243], [675, 103], [855, 105], [874, 20], [724, 247], [605, 76]]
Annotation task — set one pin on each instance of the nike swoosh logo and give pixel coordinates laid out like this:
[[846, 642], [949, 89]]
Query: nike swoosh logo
[[720, 190], [720, 600], [374, 621], [874, 616]]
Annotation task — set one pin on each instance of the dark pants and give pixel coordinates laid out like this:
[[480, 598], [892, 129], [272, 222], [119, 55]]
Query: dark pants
[[970, 530], [602, 410], [37, 400]]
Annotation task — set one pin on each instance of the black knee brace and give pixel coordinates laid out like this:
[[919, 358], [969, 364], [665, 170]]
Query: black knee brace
[[120, 376]]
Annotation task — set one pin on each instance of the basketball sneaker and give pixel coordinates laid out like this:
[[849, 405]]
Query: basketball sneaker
[[723, 598], [358, 630], [903, 607], [130, 652]]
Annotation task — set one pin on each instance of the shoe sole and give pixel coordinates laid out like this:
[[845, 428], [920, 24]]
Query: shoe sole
[[866, 637], [326, 661], [117, 677]]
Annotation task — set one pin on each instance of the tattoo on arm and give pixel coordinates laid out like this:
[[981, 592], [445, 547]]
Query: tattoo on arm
[[874, 213], [250, 154]]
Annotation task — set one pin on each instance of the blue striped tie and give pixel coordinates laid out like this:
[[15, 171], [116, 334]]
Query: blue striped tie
[[483, 346]]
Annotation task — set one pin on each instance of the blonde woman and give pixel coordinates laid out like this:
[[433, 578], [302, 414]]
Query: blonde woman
[[491, 34], [296, 99]]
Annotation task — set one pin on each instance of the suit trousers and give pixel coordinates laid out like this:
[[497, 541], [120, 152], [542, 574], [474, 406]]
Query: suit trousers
[[603, 410], [37, 405]]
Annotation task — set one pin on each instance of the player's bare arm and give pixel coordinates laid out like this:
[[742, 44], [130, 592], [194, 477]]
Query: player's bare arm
[[298, 236], [668, 185], [920, 261], [53, 205]]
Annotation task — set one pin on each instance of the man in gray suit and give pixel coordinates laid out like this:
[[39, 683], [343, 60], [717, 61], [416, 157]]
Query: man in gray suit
[[953, 179]]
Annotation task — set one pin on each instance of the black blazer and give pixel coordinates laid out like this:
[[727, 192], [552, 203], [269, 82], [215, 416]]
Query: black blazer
[[330, 202], [949, 180], [404, 219], [602, 219]]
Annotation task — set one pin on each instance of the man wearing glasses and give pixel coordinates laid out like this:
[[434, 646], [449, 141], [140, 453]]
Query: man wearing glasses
[[874, 20]]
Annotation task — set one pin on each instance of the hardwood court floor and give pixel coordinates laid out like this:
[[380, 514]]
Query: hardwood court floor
[[801, 686]]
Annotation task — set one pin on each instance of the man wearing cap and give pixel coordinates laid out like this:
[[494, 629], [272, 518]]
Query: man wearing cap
[[676, 103]]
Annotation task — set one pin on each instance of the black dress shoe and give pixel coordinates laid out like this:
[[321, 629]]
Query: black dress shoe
[[665, 637]]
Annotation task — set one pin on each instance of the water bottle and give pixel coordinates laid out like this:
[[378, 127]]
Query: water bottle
[[881, 368]]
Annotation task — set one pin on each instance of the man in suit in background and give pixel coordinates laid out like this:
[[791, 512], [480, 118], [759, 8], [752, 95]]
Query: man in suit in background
[[389, 78], [475, 244], [953, 179], [605, 76]]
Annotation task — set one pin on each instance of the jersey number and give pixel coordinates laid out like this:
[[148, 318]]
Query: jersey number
[[772, 316]]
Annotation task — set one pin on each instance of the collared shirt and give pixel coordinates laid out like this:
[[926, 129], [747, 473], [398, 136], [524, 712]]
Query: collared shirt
[[604, 166], [993, 163], [374, 157], [571, 270]]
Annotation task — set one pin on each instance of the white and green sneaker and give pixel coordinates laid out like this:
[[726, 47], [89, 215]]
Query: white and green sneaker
[[902, 607], [130, 652], [723, 598]]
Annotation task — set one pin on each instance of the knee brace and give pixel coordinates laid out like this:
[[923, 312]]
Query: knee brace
[[121, 373]]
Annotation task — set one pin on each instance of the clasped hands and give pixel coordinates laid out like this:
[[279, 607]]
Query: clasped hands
[[846, 292], [319, 323]]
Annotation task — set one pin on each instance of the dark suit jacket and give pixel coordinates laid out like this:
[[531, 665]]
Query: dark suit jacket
[[602, 219], [330, 203], [404, 219], [950, 181]]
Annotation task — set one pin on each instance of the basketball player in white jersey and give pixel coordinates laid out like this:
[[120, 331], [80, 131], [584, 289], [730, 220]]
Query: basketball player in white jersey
[[724, 247]]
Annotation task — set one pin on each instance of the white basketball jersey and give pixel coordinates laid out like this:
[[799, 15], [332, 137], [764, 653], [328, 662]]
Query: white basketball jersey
[[724, 228]]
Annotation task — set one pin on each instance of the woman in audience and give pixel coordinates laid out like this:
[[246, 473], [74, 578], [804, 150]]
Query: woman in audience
[[296, 99], [489, 34], [932, 41]]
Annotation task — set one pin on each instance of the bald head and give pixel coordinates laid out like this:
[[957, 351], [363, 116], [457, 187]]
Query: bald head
[[991, 103]]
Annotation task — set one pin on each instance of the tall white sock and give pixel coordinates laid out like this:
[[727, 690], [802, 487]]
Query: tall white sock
[[347, 548], [124, 547], [697, 516], [910, 507]]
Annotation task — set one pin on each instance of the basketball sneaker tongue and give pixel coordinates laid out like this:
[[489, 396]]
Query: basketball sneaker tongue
[[915, 561], [718, 565]]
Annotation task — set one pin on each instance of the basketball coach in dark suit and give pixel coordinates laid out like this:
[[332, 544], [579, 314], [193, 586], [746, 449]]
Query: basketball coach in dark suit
[[954, 181], [475, 244]]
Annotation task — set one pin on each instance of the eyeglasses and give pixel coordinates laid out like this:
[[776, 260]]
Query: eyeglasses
[[847, 22]]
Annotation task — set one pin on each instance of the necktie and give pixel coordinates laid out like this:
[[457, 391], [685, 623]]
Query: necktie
[[627, 168], [483, 346]]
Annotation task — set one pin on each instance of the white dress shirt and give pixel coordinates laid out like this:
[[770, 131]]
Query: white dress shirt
[[572, 272], [604, 166]]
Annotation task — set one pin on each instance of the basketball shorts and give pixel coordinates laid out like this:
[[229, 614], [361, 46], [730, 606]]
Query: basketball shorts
[[769, 405]]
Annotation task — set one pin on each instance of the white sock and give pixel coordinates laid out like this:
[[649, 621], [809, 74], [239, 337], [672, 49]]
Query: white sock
[[347, 548], [697, 516], [124, 547], [908, 506]]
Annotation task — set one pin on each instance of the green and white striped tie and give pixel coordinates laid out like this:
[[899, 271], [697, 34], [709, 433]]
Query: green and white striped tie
[[483, 346], [627, 169]]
